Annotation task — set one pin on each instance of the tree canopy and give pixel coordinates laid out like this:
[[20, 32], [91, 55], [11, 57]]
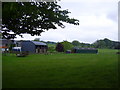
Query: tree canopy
[[67, 45], [76, 43], [32, 18], [106, 43]]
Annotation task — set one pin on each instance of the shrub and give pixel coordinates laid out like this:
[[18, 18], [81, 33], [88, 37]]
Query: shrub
[[59, 47]]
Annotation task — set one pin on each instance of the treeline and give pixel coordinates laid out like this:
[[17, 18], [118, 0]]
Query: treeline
[[102, 44], [106, 43]]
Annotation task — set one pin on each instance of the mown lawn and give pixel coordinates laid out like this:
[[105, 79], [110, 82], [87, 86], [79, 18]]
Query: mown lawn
[[62, 70]]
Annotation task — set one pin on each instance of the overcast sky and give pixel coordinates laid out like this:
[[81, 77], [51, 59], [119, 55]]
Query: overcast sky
[[98, 20]]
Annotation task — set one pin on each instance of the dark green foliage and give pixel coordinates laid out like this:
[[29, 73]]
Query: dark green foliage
[[59, 47], [51, 49], [32, 18], [76, 43], [117, 45], [51, 46], [64, 46], [85, 45], [50, 42], [106, 43], [67, 45]]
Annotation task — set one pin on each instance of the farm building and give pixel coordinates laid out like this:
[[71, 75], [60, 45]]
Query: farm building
[[84, 50], [32, 46], [5, 44]]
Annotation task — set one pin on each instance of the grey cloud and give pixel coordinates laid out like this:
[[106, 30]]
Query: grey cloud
[[85, 32], [113, 16]]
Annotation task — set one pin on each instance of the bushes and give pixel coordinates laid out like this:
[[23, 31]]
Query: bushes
[[64, 46], [59, 47], [51, 49], [67, 45]]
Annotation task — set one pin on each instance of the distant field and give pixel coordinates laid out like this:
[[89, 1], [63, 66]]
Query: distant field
[[62, 70]]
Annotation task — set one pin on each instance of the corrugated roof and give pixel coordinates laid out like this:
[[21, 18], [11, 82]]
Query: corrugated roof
[[39, 43]]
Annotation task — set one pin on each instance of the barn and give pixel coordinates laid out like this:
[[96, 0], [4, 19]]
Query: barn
[[85, 50], [32, 46]]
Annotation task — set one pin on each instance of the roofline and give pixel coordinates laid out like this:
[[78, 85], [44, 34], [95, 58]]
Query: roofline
[[40, 42]]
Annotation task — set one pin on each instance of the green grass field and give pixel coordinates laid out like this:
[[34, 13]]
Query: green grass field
[[62, 70]]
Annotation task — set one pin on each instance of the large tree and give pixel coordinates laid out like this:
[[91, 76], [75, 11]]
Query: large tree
[[67, 45], [59, 47], [32, 18], [76, 43]]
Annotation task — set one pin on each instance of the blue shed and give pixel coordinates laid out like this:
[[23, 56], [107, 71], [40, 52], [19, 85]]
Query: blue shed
[[33, 46]]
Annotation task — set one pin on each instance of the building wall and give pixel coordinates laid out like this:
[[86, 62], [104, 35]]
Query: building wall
[[41, 49], [28, 46]]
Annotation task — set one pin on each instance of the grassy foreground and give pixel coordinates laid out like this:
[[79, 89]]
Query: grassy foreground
[[62, 70]]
